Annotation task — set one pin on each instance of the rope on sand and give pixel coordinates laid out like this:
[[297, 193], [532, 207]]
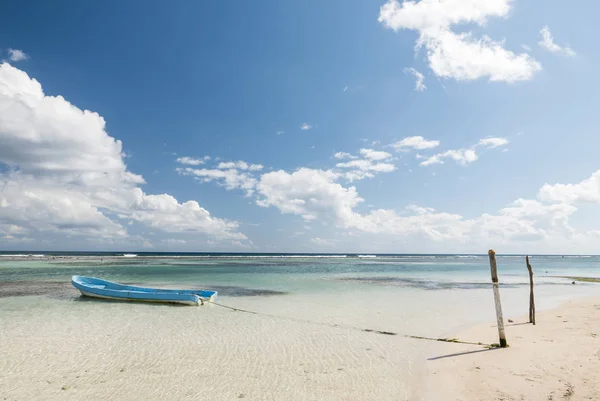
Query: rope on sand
[[388, 333]]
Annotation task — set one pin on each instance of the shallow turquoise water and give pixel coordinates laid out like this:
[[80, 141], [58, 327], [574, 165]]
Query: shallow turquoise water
[[296, 274]]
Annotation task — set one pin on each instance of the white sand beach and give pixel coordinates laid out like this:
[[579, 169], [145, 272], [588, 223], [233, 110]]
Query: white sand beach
[[557, 359]]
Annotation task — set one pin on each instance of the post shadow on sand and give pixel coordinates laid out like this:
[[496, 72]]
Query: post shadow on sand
[[435, 358]]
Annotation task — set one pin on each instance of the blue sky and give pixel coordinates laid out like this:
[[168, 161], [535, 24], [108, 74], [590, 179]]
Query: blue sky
[[507, 106]]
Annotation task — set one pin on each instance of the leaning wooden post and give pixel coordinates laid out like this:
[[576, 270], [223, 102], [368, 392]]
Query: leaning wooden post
[[494, 271], [531, 299]]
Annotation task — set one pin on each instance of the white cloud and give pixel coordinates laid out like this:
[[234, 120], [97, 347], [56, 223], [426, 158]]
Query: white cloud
[[547, 43], [316, 194], [420, 79], [356, 168], [16, 55], [462, 57], [307, 192], [64, 175], [345, 89], [367, 165], [228, 178], [374, 154], [231, 175], [493, 142], [415, 142], [241, 165], [587, 191], [459, 56], [461, 156], [305, 127], [190, 161], [363, 168], [279, 132], [165, 213], [526, 48], [344, 155]]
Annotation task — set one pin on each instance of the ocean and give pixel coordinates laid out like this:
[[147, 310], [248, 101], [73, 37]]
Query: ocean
[[310, 330]]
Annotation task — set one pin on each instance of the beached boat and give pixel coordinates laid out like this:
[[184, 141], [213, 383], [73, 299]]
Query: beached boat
[[97, 288]]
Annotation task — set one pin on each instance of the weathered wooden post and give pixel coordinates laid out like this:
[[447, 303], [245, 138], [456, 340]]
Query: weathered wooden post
[[499, 317], [531, 299]]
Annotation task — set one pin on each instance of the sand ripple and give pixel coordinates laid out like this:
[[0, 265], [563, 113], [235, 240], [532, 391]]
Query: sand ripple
[[108, 350]]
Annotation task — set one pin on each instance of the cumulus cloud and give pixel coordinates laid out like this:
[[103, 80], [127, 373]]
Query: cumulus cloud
[[367, 165], [459, 55], [164, 212], [229, 178], [230, 175], [305, 127], [190, 161], [16, 55], [547, 43], [316, 194], [241, 165], [355, 168], [307, 192], [63, 174], [419, 79], [415, 142], [375, 154], [461, 156], [344, 155], [586, 191], [493, 142]]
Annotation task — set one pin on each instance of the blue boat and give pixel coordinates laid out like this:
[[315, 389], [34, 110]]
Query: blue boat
[[97, 288]]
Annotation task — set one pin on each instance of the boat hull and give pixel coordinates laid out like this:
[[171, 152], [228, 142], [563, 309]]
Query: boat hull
[[92, 295], [103, 289]]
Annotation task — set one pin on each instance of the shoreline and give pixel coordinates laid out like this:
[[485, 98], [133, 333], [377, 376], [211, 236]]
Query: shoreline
[[557, 359]]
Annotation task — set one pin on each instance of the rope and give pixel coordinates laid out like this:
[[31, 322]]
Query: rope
[[388, 333]]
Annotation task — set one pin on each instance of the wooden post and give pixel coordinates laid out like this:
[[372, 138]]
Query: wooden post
[[494, 271], [531, 299]]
